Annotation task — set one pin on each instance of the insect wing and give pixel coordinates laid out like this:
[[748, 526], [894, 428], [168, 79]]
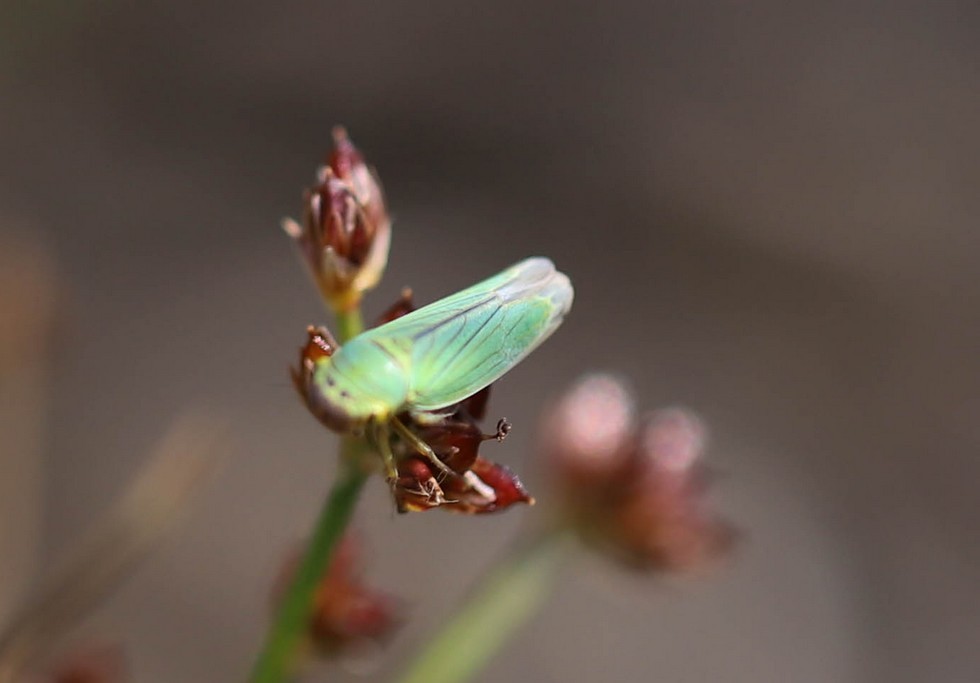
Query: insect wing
[[460, 344]]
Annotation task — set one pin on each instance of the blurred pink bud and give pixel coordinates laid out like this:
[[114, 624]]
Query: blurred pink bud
[[346, 231], [672, 440], [633, 491], [585, 434]]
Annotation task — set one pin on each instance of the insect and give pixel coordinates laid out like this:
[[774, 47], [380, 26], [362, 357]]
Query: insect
[[434, 357]]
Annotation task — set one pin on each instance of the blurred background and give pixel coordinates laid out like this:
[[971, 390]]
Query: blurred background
[[769, 214]]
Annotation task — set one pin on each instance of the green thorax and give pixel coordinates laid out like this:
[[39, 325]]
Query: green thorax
[[363, 379]]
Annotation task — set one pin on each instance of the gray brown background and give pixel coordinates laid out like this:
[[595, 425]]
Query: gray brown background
[[769, 211]]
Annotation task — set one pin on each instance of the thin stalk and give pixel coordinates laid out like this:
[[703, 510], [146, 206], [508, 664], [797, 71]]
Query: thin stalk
[[349, 324], [279, 657], [504, 601]]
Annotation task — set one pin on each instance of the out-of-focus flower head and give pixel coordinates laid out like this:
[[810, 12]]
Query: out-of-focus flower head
[[346, 231], [632, 488], [347, 614], [587, 433]]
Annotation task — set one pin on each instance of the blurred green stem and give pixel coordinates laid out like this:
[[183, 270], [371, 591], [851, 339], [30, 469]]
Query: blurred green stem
[[281, 652], [349, 324], [502, 603]]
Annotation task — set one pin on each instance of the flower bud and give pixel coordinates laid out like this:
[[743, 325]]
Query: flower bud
[[417, 488], [404, 306], [93, 663], [348, 165], [347, 614], [473, 485], [672, 440], [483, 488], [346, 231], [665, 522], [585, 434], [507, 488]]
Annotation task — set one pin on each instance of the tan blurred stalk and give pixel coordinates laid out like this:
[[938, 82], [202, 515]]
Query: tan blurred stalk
[[27, 298], [153, 504]]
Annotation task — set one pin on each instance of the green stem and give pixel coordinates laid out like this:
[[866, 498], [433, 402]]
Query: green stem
[[504, 601], [349, 324], [280, 653], [278, 658]]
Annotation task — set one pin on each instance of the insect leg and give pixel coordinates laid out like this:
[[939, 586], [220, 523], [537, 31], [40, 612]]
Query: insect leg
[[421, 446], [381, 439]]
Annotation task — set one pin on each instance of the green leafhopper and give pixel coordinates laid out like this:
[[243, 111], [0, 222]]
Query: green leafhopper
[[437, 356]]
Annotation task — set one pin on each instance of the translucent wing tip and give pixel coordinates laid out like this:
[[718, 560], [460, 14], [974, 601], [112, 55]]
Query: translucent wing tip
[[526, 304], [534, 268], [537, 276], [561, 292]]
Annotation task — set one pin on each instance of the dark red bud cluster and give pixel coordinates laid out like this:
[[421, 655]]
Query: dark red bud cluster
[[635, 489], [476, 485]]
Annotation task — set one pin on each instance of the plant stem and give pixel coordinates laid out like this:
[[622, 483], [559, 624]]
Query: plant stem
[[279, 657], [349, 324], [504, 601]]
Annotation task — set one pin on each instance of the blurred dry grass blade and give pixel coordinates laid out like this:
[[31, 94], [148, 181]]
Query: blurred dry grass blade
[[27, 310], [152, 505]]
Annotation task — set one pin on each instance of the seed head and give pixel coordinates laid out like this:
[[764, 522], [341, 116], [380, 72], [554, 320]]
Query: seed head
[[346, 231]]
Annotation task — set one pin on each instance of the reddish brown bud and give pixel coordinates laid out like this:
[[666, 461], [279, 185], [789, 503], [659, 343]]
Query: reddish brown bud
[[507, 488], [348, 165], [487, 487], [666, 524], [455, 442], [417, 488], [102, 663], [346, 612], [319, 344], [474, 486], [346, 230], [403, 306]]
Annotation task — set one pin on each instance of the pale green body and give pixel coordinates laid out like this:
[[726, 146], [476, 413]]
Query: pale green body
[[443, 353]]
